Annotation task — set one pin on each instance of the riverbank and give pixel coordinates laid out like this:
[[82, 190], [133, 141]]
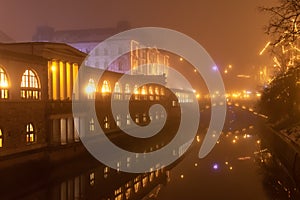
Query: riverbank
[[286, 148]]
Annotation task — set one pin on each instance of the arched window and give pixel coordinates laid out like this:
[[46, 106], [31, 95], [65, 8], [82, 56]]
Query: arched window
[[117, 88], [151, 90], [105, 87], [3, 84], [144, 90], [30, 133], [30, 88], [92, 125], [1, 138], [156, 91], [127, 88], [162, 91], [127, 91], [91, 89], [136, 89], [117, 91]]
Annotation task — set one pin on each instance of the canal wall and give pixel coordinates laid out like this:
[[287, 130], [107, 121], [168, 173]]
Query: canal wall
[[284, 148]]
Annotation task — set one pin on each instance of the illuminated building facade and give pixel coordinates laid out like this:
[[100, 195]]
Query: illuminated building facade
[[36, 94], [35, 80], [141, 60]]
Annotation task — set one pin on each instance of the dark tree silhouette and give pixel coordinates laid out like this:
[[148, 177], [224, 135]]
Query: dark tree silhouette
[[284, 22]]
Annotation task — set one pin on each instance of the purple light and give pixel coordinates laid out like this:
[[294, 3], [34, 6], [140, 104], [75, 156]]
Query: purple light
[[215, 68], [215, 166]]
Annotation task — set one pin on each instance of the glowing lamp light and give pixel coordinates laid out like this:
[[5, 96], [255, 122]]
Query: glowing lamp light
[[215, 166], [215, 68]]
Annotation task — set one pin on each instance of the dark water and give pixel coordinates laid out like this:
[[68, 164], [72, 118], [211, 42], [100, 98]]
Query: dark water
[[239, 167]]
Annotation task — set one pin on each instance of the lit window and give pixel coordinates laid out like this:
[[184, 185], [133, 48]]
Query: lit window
[[3, 84], [117, 88], [136, 89], [128, 193], [156, 91], [118, 120], [30, 88], [92, 179], [30, 133], [144, 90], [105, 87], [106, 123], [127, 88], [151, 90], [106, 171], [137, 187], [1, 138], [127, 91], [136, 92], [137, 119], [92, 125], [117, 91], [90, 89], [162, 91], [144, 117], [128, 119], [145, 181]]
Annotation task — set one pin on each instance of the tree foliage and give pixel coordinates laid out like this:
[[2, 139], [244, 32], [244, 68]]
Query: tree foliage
[[281, 99], [284, 22]]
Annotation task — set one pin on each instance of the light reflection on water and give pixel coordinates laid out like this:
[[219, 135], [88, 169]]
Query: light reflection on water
[[239, 167]]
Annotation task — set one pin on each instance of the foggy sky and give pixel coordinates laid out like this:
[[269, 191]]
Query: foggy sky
[[230, 30]]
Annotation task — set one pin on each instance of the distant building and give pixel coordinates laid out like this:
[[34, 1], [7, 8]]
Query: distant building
[[151, 60], [84, 39]]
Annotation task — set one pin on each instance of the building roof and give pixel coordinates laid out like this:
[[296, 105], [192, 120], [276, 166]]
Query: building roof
[[47, 50], [46, 33]]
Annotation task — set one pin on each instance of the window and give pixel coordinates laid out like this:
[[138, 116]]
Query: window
[[117, 91], [30, 88], [144, 117], [92, 125], [136, 89], [156, 91], [105, 87], [117, 88], [137, 119], [30, 134], [119, 120], [1, 138], [3, 84], [127, 91], [128, 119], [106, 123], [162, 91], [127, 88], [92, 179], [136, 92], [90, 89]]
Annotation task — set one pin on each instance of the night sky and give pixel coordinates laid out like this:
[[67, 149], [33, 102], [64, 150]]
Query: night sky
[[230, 30]]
